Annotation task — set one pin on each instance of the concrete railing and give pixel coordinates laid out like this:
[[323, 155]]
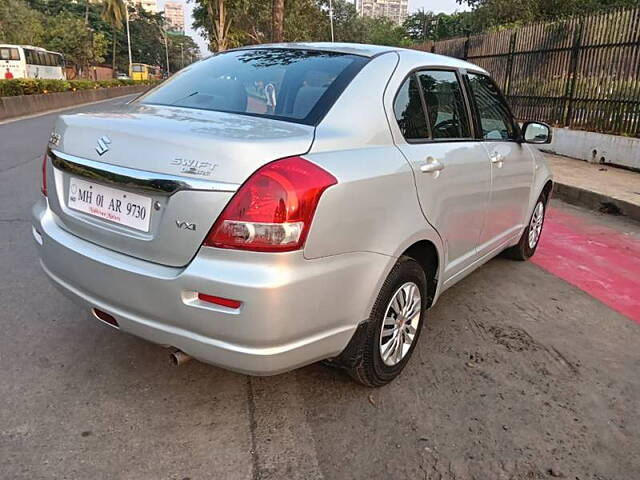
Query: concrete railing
[[18, 106]]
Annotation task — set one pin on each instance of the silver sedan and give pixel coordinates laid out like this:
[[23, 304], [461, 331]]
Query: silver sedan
[[278, 205]]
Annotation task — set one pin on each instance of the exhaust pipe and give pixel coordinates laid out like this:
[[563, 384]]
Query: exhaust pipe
[[178, 357]]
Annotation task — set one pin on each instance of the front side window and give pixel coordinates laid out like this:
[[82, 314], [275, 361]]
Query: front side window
[[288, 84], [408, 111], [496, 121], [9, 54], [446, 109]]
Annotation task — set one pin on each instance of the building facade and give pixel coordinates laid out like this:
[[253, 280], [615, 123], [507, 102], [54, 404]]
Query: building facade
[[394, 10], [174, 13]]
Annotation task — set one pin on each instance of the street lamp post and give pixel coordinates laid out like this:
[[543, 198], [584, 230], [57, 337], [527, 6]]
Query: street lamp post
[[166, 45], [128, 39], [166, 49]]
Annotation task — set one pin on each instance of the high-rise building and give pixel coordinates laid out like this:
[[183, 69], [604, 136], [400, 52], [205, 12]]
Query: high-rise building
[[174, 13], [395, 10], [150, 6]]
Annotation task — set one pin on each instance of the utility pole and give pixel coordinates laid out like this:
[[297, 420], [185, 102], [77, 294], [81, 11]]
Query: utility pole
[[331, 19]]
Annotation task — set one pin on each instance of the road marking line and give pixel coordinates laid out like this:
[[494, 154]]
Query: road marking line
[[282, 443]]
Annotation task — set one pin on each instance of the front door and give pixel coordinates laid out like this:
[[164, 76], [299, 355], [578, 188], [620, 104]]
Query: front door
[[451, 168], [512, 165]]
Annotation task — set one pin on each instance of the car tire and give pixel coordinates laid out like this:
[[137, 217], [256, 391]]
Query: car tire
[[528, 243], [365, 359]]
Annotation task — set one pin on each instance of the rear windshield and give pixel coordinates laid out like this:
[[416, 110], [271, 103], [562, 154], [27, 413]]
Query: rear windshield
[[286, 84]]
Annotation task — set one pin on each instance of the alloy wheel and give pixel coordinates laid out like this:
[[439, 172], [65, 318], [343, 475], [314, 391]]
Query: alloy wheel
[[400, 323], [535, 226]]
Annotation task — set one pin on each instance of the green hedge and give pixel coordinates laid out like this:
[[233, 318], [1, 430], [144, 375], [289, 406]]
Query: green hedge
[[30, 86]]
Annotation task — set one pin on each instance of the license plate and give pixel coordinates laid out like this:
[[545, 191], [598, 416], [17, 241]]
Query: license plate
[[123, 208]]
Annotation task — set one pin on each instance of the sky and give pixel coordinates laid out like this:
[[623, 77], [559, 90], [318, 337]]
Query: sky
[[437, 6]]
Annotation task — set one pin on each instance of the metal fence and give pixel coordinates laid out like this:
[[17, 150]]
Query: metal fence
[[582, 73]]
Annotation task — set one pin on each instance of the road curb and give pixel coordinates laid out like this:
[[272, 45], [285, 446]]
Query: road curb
[[595, 201], [25, 105]]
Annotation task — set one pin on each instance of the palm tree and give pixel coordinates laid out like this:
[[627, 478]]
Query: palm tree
[[114, 13]]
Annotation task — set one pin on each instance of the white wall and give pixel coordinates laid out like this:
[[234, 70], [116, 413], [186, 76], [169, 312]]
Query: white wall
[[596, 147]]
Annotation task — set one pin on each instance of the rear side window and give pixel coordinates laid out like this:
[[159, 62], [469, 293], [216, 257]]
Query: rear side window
[[408, 110], [495, 117], [288, 84], [446, 109]]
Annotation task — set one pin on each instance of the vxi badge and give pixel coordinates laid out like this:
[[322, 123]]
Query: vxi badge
[[186, 225]]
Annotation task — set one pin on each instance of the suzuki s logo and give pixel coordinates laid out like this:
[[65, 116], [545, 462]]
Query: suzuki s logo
[[103, 145], [186, 225]]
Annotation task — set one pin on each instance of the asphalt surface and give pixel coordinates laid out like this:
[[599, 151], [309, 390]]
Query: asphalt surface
[[518, 375]]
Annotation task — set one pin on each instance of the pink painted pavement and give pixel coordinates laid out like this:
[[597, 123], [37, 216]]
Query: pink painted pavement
[[603, 262]]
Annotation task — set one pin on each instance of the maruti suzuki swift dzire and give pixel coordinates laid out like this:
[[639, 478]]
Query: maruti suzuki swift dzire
[[278, 205]]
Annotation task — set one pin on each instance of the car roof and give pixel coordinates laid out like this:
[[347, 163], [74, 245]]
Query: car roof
[[367, 50]]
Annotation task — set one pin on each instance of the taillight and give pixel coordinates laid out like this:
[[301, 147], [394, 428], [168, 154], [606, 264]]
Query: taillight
[[273, 209], [43, 187]]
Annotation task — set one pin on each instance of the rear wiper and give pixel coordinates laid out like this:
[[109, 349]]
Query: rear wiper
[[184, 98]]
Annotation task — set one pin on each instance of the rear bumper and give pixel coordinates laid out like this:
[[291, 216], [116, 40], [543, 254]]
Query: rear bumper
[[294, 312]]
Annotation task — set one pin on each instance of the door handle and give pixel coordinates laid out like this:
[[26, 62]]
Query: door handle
[[432, 166], [497, 158]]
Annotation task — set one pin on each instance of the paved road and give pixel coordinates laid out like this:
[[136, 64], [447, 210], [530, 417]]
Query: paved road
[[518, 375]]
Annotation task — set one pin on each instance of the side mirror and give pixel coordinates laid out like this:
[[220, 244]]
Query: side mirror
[[536, 132]]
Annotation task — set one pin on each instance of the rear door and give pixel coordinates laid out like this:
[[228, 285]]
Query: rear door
[[511, 163], [451, 167]]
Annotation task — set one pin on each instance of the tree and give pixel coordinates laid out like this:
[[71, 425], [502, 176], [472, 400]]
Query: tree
[[382, 31], [70, 35], [277, 30], [147, 39], [348, 26], [115, 14], [425, 25], [231, 23], [182, 51], [20, 24], [491, 14], [216, 22]]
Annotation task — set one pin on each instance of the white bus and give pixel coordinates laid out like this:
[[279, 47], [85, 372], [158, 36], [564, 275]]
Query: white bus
[[18, 61]]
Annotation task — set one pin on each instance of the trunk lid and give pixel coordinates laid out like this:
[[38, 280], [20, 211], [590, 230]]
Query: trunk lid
[[185, 163]]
